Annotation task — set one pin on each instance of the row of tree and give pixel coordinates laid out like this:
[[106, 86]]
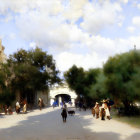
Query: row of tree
[[119, 79], [27, 72]]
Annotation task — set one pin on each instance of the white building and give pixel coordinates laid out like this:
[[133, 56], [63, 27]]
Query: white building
[[59, 92]]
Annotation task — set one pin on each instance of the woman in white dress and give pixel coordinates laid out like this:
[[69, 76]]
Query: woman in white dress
[[104, 105]]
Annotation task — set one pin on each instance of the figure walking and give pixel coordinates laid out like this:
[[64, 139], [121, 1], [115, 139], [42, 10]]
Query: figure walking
[[24, 106], [10, 110], [104, 105], [40, 103], [17, 107], [64, 114], [96, 108]]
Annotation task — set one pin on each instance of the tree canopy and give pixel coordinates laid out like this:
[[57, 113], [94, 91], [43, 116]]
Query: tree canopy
[[80, 80], [119, 79], [122, 72], [29, 71]]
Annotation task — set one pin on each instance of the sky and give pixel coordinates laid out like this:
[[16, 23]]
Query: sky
[[81, 32]]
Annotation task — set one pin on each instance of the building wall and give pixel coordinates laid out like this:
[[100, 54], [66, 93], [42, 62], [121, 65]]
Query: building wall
[[44, 96]]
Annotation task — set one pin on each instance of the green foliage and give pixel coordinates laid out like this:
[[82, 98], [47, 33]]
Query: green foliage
[[27, 72], [122, 72], [119, 80], [2, 80], [97, 90], [81, 81], [33, 70], [75, 79], [6, 97]]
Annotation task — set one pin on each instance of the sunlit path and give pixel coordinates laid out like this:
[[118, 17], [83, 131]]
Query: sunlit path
[[47, 125]]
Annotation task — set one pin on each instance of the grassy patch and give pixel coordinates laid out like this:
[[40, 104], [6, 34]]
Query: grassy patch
[[133, 121]]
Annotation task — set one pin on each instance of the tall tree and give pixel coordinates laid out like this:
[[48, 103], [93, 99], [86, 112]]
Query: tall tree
[[32, 71], [6, 95], [75, 78], [80, 80], [97, 90], [121, 72]]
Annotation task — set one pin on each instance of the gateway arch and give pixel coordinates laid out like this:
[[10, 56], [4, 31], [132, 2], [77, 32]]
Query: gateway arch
[[62, 93]]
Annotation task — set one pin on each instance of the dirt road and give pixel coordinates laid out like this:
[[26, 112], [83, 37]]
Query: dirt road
[[47, 125]]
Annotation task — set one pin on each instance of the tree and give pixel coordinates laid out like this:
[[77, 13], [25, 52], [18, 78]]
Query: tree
[[75, 79], [6, 95], [32, 71], [121, 72], [81, 81], [97, 90]]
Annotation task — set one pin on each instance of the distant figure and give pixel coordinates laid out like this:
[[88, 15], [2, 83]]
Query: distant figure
[[40, 103], [17, 107], [84, 107], [80, 106], [64, 115], [10, 112], [24, 106], [104, 105], [54, 104], [96, 108]]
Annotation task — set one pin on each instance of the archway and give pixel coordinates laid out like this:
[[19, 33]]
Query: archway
[[63, 91], [65, 98]]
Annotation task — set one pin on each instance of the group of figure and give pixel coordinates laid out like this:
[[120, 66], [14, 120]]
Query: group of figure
[[81, 105], [18, 106], [22, 105], [101, 111], [8, 110]]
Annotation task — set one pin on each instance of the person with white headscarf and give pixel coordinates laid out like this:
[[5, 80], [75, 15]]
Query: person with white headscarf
[[17, 107]]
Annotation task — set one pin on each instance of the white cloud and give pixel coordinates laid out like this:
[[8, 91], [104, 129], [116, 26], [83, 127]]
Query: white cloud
[[12, 36], [136, 21], [124, 1], [138, 6], [98, 16], [74, 9], [131, 29], [66, 60], [43, 23], [48, 31], [23, 6], [32, 44], [99, 49]]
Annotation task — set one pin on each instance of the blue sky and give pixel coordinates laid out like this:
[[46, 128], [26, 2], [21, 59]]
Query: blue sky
[[81, 32]]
